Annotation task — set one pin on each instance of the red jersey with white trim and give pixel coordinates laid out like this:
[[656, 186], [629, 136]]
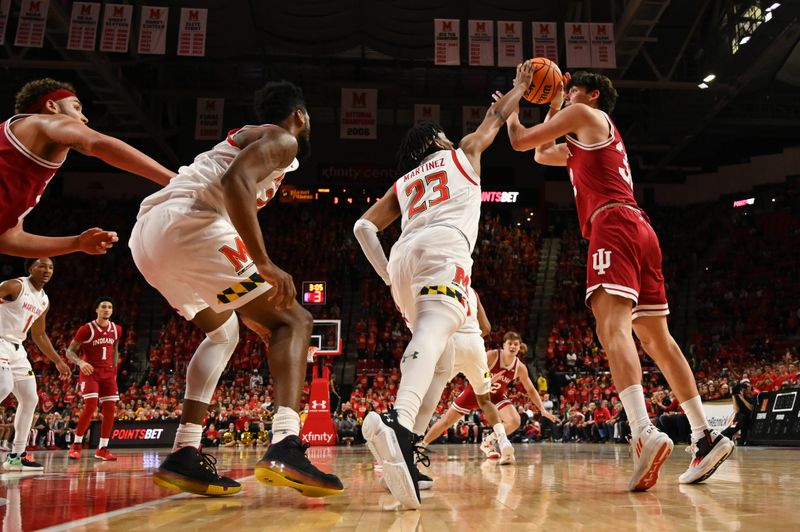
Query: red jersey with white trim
[[502, 376], [600, 174], [444, 190], [23, 177], [98, 343], [200, 183]]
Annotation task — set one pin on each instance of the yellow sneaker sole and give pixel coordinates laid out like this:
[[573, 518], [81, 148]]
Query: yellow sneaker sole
[[267, 476], [181, 485]]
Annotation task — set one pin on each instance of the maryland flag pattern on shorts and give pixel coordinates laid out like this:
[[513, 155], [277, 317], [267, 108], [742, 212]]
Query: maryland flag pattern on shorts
[[240, 289], [442, 290]]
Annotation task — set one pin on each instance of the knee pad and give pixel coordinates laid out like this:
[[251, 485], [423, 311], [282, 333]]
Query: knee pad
[[228, 332]]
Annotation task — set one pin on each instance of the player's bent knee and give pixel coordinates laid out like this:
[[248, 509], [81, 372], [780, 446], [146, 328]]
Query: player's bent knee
[[226, 333]]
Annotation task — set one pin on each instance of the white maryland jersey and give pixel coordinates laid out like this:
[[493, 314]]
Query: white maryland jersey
[[471, 324], [201, 182], [444, 190], [16, 317]]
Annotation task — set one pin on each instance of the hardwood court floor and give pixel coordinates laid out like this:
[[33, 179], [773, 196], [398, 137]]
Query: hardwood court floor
[[552, 487]]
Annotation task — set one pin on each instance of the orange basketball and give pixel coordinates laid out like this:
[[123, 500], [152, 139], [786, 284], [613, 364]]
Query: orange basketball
[[546, 77]]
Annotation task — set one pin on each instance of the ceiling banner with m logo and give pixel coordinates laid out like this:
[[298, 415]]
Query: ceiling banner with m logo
[[427, 112], [509, 43], [116, 32], [153, 30], [447, 41], [604, 52], [481, 42], [359, 116], [471, 118], [5, 8], [192, 32], [83, 26], [579, 52], [32, 22], [545, 43], [208, 125]]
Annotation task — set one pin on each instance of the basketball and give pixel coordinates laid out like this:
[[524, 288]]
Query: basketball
[[546, 77]]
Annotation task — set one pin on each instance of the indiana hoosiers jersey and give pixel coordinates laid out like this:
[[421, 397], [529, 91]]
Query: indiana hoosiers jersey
[[23, 177], [600, 174], [200, 183], [502, 376], [444, 190], [97, 343], [16, 317]]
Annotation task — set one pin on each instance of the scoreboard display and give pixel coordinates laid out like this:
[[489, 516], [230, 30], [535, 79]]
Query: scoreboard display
[[776, 418], [314, 293]]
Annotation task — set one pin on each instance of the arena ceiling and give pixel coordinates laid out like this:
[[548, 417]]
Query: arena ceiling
[[664, 49]]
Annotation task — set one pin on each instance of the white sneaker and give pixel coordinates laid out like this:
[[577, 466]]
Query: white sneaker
[[392, 445], [21, 463], [487, 445], [425, 482], [708, 453], [507, 455], [650, 450]]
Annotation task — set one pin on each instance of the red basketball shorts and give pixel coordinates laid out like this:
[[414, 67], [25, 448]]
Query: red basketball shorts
[[625, 260], [466, 402], [102, 385]]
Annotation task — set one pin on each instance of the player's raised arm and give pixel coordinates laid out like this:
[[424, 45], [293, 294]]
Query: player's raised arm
[[477, 142], [377, 218], [76, 135], [17, 242], [42, 341], [273, 150]]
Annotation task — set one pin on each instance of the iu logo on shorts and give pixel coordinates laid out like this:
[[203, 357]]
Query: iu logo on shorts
[[601, 260]]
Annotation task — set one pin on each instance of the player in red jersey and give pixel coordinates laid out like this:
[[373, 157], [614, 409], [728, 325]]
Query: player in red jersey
[[99, 342], [625, 286], [33, 145], [505, 367]]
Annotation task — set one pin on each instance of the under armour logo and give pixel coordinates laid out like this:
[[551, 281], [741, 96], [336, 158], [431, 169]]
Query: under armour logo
[[414, 355], [316, 405], [601, 260]]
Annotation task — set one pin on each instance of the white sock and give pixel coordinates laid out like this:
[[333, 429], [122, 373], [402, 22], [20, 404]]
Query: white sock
[[188, 435], [632, 399], [78, 439], [500, 431], [285, 423], [103, 443], [693, 408]]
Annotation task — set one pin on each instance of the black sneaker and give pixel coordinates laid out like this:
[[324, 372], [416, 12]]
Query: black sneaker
[[421, 457], [285, 464], [708, 453], [192, 471], [394, 446]]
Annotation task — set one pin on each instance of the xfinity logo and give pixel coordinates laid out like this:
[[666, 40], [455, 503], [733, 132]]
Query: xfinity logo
[[325, 437]]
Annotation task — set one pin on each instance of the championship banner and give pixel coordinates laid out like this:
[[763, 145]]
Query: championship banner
[[544, 40], [83, 26], [481, 42], [426, 112], [359, 118], [604, 51], [579, 54], [116, 32], [192, 32], [471, 118], [32, 22], [509, 43], [208, 125], [5, 7], [136, 434], [447, 41], [153, 30]]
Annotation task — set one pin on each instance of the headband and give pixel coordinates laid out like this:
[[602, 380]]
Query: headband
[[58, 94]]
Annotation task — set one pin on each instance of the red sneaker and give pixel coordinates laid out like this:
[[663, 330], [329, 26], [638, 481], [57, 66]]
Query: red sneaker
[[105, 454], [75, 451]]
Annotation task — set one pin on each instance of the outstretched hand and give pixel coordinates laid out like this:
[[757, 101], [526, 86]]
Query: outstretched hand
[[524, 74], [96, 241]]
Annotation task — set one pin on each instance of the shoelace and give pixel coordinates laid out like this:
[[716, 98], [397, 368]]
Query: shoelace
[[421, 455], [209, 462]]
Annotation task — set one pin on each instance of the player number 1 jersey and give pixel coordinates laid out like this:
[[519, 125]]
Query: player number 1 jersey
[[98, 343]]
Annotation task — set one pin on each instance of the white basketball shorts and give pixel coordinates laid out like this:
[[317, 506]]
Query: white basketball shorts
[[471, 360], [17, 360], [196, 259]]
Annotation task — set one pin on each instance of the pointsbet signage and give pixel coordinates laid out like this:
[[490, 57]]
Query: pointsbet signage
[[496, 196]]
